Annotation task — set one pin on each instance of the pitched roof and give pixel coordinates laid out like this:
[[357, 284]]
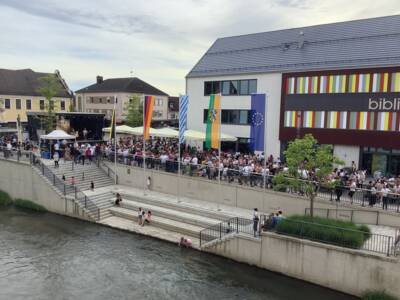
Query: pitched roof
[[128, 85], [360, 43], [25, 83]]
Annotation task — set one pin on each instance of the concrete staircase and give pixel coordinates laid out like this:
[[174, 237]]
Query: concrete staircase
[[83, 174]]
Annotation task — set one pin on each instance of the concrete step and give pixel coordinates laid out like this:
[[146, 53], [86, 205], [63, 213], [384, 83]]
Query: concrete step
[[164, 223], [149, 230], [172, 214], [182, 207]]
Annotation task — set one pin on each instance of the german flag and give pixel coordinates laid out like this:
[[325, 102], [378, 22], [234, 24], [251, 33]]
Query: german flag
[[148, 113], [112, 131]]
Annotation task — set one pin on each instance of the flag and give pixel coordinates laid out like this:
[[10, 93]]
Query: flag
[[148, 113], [183, 107], [213, 122], [257, 125], [112, 131]]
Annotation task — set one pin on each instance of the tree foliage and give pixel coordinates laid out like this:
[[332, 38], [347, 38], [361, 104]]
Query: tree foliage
[[134, 116], [49, 87], [309, 165]]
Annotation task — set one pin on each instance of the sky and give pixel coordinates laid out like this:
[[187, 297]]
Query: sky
[[158, 41]]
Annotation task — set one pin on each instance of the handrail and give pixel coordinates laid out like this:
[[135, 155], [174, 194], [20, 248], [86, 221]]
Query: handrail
[[220, 230]]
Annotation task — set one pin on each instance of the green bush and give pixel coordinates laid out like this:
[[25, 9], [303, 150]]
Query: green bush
[[337, 232], [5, 199], [280, 183], [377, 296], [27, 204]]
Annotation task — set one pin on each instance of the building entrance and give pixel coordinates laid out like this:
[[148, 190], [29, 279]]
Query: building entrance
[[380, 160]]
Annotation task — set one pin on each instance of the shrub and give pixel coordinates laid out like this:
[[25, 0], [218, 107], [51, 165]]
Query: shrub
[[27, 204], [377, 296], [5, 199], [337, 232], [280, 183]]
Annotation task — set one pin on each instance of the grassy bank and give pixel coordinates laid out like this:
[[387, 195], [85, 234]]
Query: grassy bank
[[330, 231], [5, 199], [27, 204], [378, 296]]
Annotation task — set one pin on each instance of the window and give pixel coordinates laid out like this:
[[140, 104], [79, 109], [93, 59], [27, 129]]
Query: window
[[225, 88], [252, 86], [18, 103], [41, 104], [212, 87], [231, 116], [7, 103], [244, 87], [28, 104], [233, 87], [62, 104]]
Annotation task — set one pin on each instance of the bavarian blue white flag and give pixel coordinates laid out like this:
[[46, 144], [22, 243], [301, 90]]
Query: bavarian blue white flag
[[183, 107], [257, 119]]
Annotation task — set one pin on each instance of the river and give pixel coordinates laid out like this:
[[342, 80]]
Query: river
[[46, 256]]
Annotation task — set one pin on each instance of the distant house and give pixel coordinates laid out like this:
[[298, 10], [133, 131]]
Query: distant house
[[19, 95], [99, 97], [173, 110]]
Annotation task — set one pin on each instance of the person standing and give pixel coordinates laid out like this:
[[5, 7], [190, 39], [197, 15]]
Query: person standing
[[92, 186], [56, 158], [140, 216], [256, 219]]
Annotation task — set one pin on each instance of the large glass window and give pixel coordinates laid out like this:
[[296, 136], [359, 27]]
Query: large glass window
[[212, 87], [7, 103], [28, 104], [252, 86], [18, 103], [244, 87], [225, 87], [233, 87], [41, 104], [62, 104], [231, 116]]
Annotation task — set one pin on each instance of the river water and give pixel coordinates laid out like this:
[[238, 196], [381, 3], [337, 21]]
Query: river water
[[46, 256]]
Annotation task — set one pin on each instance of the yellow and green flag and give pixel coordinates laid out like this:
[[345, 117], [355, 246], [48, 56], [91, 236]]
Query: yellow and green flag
[[213, 122]]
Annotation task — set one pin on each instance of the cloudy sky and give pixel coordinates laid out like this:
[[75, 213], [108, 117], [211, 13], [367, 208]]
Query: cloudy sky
[[158, 40]]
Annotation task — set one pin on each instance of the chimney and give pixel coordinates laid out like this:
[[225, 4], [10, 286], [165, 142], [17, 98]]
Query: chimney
[[301, 40], [99, 79]]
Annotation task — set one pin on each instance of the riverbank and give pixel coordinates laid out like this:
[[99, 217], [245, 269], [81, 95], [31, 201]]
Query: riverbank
[[56, 257]]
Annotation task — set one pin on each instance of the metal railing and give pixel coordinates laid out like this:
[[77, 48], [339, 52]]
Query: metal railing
[[232, 225], [359, 197], [15, 155], [337, 236], [67, 189]]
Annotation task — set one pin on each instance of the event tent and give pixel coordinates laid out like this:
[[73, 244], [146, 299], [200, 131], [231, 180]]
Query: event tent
[[57, 135], [199, 135]]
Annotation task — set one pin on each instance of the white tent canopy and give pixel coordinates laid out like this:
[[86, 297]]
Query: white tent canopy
[[57, 135], [169, 132]]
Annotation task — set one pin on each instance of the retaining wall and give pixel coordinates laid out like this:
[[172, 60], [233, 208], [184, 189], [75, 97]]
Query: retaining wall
[[345, 270], [242, 196]]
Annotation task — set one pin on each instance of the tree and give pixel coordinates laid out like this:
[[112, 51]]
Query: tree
[[309, 166], [49, 87], [134, 116]]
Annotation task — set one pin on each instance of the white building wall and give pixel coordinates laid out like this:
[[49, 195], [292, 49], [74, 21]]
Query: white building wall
[[270, 84], [347, 154]]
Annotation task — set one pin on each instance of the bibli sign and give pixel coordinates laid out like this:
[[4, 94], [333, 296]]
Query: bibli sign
[[343, 102]]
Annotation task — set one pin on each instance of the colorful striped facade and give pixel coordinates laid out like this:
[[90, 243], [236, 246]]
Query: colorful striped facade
[[345, 83], [361, 120]]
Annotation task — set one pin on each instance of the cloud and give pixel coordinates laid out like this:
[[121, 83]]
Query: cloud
[[159, 40]]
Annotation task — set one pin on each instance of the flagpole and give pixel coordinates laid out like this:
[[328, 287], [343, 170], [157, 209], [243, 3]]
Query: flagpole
[[179, 149], [219, 147], [144, 149], [265, 143], [115, 141]]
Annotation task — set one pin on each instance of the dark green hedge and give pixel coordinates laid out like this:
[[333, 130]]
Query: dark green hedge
[[23, 203], [378, 296], [337, 232], [5, 199]]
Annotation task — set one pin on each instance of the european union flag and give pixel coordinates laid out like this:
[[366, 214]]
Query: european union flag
[[257, 119]]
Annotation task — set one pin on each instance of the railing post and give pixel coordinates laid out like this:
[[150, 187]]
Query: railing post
[[200, 239], [83, 175], [65, 192], [75, 192], [54, 179], [73, 162], [389, 246], [85, 201], [237, 225], [98, 214], [220, 230], [42, 168], [397, 200]]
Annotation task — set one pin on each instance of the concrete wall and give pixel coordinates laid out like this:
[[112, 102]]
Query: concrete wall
[[19, 180], [239, 196], [345, 270]]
